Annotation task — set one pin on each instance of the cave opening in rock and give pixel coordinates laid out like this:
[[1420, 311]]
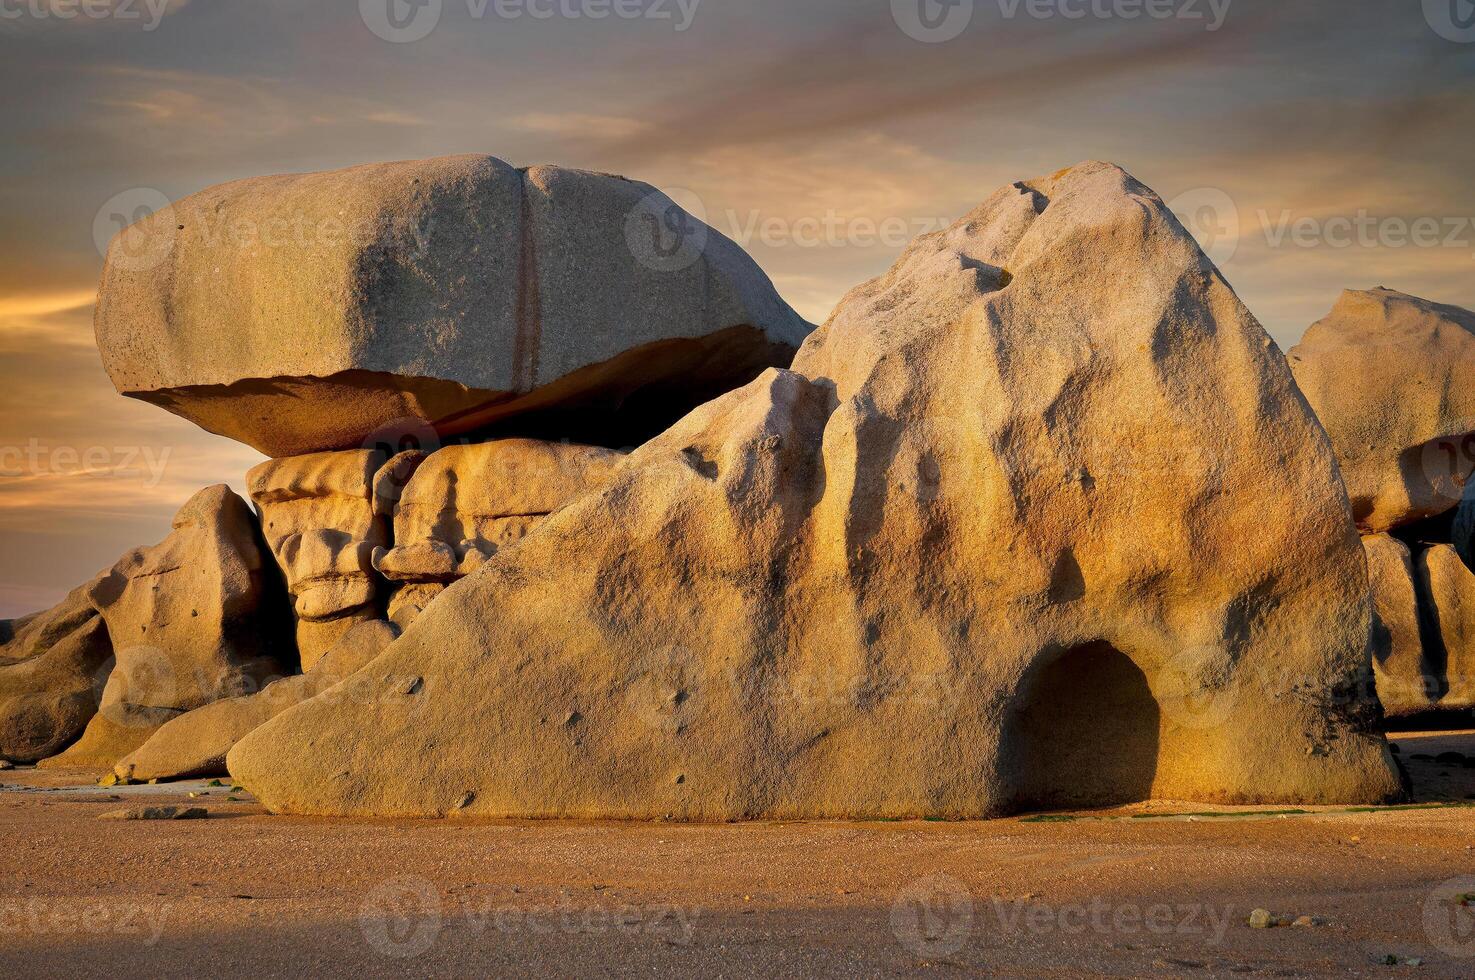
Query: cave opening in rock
[[1084, 732]]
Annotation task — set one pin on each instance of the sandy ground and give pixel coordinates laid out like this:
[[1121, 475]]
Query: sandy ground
[[1144, 891]]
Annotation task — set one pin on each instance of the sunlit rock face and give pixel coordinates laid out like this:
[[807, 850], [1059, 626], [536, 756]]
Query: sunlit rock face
[[464, 504], [1392, 378], [1037, 518], [304, 313], [192, 620]]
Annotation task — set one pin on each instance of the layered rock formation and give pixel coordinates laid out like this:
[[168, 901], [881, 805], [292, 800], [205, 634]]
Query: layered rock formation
[[1449, 625], [1392, 378], [997, 541], [304, 313], [323, 522], [465, 503]]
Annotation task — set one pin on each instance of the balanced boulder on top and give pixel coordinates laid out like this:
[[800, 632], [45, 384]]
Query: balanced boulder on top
[[307, 312]]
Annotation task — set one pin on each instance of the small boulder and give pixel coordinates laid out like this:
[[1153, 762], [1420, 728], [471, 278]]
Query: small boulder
[[157, 813]]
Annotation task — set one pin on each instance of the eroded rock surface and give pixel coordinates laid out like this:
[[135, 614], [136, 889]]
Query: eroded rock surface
[[998, 540], [1405, 681], [465, 503], [192, 620], [322, 521], [305, 312], [1449, 625], [1392, 378], [195, 744], [52, 670]]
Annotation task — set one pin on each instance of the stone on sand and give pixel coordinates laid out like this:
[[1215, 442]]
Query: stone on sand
[[999, 540], [307, 312]]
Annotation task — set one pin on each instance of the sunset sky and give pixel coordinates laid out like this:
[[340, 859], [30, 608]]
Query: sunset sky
[[817, 133]]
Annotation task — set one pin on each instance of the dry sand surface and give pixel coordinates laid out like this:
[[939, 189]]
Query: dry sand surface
[[1134, 892]]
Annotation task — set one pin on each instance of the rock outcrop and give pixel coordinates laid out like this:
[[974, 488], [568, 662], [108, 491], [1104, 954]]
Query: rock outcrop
[[192, 620], [1405, 681], [323, 521], [52, 671], [194, 745], [307, 312], [1392, 378], [1449, 626], [465, 503], [997, 541]]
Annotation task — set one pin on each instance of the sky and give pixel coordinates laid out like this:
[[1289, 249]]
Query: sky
[[1312, 145]]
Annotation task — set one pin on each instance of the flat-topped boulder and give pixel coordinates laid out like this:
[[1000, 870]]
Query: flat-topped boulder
[[1392, 378], [307, 312]]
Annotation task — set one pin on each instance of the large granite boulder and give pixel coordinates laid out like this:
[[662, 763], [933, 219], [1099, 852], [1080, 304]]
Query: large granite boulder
[[306, 312], [1405, 681], [195, 744], [52, 670], [193, 619], [465, 503], [1392, 378], [1038, 518]]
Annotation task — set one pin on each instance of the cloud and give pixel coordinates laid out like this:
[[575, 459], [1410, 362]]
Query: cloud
[[580, 125]]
